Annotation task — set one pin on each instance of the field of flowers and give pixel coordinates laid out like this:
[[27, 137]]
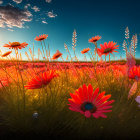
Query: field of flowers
[[73, 100]]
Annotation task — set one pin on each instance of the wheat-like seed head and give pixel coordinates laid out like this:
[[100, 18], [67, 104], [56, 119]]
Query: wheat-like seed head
[[67, 57], [74, 39], [65, 46], [27, 56], [20, 56], [126, 33], [31, 53]]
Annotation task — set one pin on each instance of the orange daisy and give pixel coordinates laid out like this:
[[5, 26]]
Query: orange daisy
[[94, 39], [41, 37], [42, 80], [16, 45], [57, 55], [107, 48], [88, 103], [85, 50], [6, 54]]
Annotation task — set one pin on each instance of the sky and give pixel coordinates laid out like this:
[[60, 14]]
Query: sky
[[23, 20]]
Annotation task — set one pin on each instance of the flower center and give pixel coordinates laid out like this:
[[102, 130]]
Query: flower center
[[94, 40], [85, 51], [88, 106], [107, 50], [57, 56], [42, 38], [15, 44]]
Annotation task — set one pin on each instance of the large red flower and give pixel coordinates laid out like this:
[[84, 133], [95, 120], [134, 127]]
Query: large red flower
[[41, 80], [16, 45], [107, 48], [90, 103], [134, 73]]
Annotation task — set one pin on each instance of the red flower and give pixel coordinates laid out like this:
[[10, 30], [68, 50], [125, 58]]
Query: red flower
[[94, 39], [85, 50], [41, 37], [134, 73], [42, 80], [6, 54], [57, 55], [16, 45], [107, 48], [90, 103], [4, 82]]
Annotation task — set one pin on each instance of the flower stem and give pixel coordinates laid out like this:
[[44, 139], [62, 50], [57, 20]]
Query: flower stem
[[43, 50]]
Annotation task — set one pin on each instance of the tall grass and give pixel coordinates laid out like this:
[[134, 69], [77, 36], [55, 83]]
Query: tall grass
[[56, 119], [17, 104]]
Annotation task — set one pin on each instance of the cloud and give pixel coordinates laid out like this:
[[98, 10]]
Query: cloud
[[10, 30], [11, 16], [51, 14], [27, 5], [35, 8], [44, 22], [1, 2], [17, 1], [48, 1]]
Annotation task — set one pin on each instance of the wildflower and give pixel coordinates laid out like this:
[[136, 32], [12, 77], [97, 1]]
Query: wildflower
[[88, 103], [4, 82], [41, 37], [16, 45], [94, 39], [107, 48], [85, 50], [35, 115], [137, 99], [6, 54], [57, 55], [40, 81], [133, 89], [134, 73]]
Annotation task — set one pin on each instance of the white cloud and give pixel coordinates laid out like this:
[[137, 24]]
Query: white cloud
[[11, 16], [44, 22], [10, 30], [27, 5], [17, 1], [35, 8], [1, 2], [51, 14], [48, 1]]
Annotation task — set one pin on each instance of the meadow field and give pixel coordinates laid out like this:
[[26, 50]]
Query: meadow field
[[69, 99]]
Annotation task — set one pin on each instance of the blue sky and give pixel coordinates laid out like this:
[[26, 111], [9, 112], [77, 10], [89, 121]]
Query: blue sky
[[23, 20]]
